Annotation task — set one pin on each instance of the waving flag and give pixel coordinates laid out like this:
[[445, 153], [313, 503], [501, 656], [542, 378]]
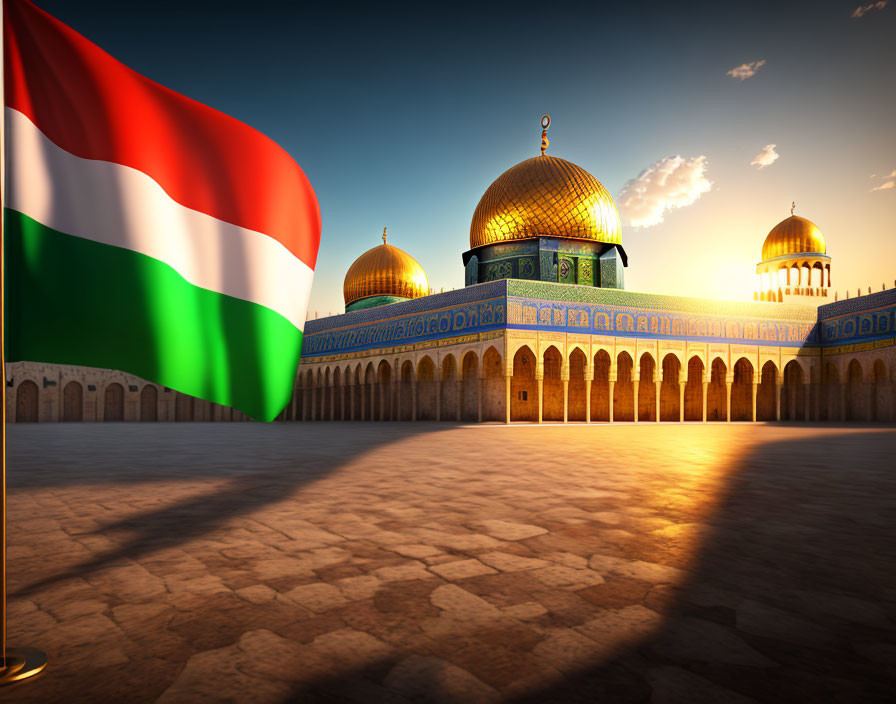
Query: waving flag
[[147, 232]]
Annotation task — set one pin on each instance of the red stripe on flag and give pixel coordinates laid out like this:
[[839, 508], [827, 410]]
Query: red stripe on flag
[[97, 108]]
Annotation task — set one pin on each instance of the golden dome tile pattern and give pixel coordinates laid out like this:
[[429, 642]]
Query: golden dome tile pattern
[[385, 271], [545, 197], [795, 235]]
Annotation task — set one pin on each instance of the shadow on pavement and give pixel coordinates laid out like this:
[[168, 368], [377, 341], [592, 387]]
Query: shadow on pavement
[[791, 598]]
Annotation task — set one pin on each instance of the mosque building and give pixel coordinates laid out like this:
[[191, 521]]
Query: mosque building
[[544, 330]]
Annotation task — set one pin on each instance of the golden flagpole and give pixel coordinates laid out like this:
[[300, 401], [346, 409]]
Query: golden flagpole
[[15, 663]]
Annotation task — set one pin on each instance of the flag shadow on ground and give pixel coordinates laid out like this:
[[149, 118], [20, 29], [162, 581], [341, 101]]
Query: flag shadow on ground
[[791, 598]]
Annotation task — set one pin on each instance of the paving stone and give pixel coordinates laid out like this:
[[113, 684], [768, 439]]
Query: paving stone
[[416, 550], [562, 577], [461, 569], [358, 588], [567, 650], [524, 611], [675, 685], [507, 562], [636, 569], [406, 571], [506, 530], [318, 597], [762, 620], [696, 639], [430, 680]]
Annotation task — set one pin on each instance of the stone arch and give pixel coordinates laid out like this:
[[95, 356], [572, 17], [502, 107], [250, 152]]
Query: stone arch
[[552, 386], [406, 383], [149, 403], [766, 400], [338, 394], [793, 402], [523, 387], [624, 389], [647, 388], [576, 401], [382, 408], [831, 396], [27, 402], [470, 386], [426, 388], [693, 390], [855, 396], [600, 386], [449, 393], [670, 389], [879, 410], [717, 391], [183, 408], [113, 403], [742, 390], [73, 402], [494, 401]]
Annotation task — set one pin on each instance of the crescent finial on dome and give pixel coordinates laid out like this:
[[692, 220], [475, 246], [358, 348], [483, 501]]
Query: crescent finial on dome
[[545, 123]]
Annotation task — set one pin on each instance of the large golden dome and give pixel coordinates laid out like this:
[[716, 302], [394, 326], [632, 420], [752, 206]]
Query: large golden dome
[[385, 271], [795, 235], [545, 197]]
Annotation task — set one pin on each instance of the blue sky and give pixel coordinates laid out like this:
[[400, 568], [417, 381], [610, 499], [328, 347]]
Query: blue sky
[[402, 115]]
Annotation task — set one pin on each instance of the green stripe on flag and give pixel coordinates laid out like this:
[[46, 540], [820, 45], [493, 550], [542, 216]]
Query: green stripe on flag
[[73, 301]]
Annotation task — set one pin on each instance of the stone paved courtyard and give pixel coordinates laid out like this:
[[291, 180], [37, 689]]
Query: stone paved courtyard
[[356, 562]]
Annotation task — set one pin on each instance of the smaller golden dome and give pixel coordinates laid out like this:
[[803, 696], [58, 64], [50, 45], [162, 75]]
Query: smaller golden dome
[[795, 235], [385, 271]]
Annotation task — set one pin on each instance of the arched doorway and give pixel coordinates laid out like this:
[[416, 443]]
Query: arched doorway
[[113, 403], [693, 390], [879, 410], [670, 390], [27, 395], [793, 401], [406, 390], [576, 401], [449, 388], [623, 390], [765, 394], [73, 402], [470, 387], [742, 391], [371, 400], [338, 390], [384, 391], [832, 395], [717, 392], [647, 389], [183, 408], [523, 389], [855, 398], [600, 387], [149, 403], [494, 405], [552, 386], [426, 389]]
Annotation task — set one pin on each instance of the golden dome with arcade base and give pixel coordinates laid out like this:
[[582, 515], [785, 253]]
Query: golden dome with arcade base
[[795, 235], [386, 273]]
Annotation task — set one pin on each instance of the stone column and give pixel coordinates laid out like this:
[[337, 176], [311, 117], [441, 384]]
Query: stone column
[[755, 387], [438, 396], [681, 385], [332, 403], [635, 384], [778, 388], [460, 399], [729, 380], [540, 381], [351, 401], [808, 404], [612, 385], [397, 396], [304, 403], [373, 400], [342, 401], [705, 396], [657, 399], [843, 400], [479, 399], [588, 381], [413, 400], [314, 403], [507, 398], [564, 377], [362, 401]]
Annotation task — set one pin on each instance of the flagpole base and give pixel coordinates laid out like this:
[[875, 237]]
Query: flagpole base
[[21, 663]]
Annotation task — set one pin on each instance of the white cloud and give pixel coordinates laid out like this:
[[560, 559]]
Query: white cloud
[[672, 182], [747, 70], [886, 185], [864, 9], [766, 157]]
